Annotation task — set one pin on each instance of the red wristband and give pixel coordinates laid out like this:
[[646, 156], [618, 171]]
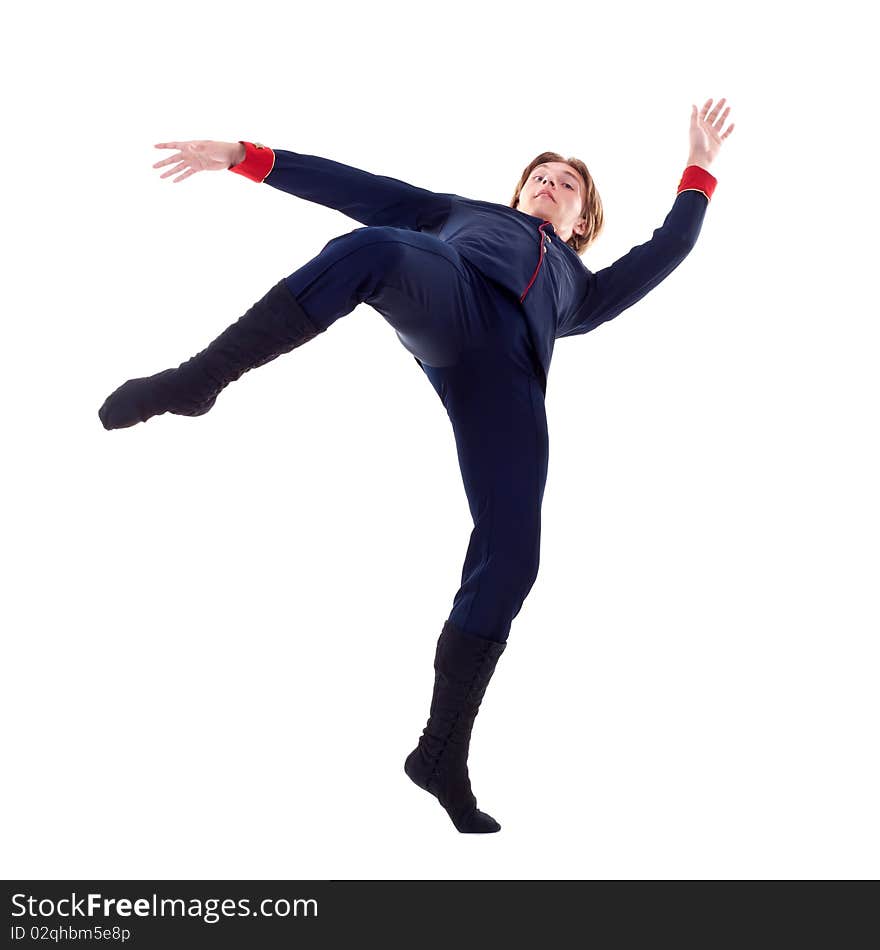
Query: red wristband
[[696, 178], [258, 161]]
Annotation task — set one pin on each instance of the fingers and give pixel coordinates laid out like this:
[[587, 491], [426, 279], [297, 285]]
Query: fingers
[[719, 121], [713, 115], [173, 171], [181, 161], [186, 175], [177, 145], [715, 121]]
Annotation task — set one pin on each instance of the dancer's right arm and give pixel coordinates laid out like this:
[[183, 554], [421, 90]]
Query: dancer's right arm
[[371, 199]]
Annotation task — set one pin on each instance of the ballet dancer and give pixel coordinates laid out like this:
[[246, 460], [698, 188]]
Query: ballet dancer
[[477, 293]]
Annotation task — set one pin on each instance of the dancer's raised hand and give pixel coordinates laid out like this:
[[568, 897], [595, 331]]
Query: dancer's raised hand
[[200, 155], [705, 131]]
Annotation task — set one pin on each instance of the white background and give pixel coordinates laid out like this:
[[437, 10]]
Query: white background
[[219, 631]]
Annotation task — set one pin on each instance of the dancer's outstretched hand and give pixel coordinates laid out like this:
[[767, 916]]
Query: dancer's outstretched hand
[[199, 156], [705, 132]]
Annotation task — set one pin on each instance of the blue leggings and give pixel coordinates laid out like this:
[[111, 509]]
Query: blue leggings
[[470, 337]]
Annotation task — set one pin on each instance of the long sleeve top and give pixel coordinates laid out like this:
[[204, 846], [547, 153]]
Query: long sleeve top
[[559, 295]]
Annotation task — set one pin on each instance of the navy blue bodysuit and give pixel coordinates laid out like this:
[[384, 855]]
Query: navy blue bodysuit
[[478, 293]]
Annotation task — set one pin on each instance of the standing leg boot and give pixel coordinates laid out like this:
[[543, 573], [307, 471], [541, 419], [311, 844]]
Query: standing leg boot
[[463, 666], [273, 325]]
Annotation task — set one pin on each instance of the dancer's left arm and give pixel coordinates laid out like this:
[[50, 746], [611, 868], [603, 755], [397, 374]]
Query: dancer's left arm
[[613, 289]]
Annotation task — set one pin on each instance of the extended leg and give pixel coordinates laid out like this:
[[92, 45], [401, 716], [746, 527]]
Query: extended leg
[[274, 325], [414, 280]]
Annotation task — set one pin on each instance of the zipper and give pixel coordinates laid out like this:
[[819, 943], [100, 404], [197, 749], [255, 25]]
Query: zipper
[[544, 237]]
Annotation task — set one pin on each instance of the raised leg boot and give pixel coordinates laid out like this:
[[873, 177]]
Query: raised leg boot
[[275, 324]]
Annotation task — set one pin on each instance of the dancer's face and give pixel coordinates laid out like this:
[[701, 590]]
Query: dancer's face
[[555, 191]]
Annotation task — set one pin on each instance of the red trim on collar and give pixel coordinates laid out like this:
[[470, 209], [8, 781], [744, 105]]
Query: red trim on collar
[[540, 257]]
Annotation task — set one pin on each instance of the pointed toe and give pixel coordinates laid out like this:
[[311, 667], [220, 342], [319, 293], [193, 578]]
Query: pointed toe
[[121, 408], [463, 666], [477, 823]]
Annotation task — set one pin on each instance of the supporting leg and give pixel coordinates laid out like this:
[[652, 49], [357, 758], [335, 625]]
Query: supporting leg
[[497, 412]]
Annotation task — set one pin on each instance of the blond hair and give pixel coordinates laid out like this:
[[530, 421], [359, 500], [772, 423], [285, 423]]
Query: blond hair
[[592, 206]]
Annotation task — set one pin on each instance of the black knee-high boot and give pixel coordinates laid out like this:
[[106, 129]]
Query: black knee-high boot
[[463, 666], [274, 325]]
